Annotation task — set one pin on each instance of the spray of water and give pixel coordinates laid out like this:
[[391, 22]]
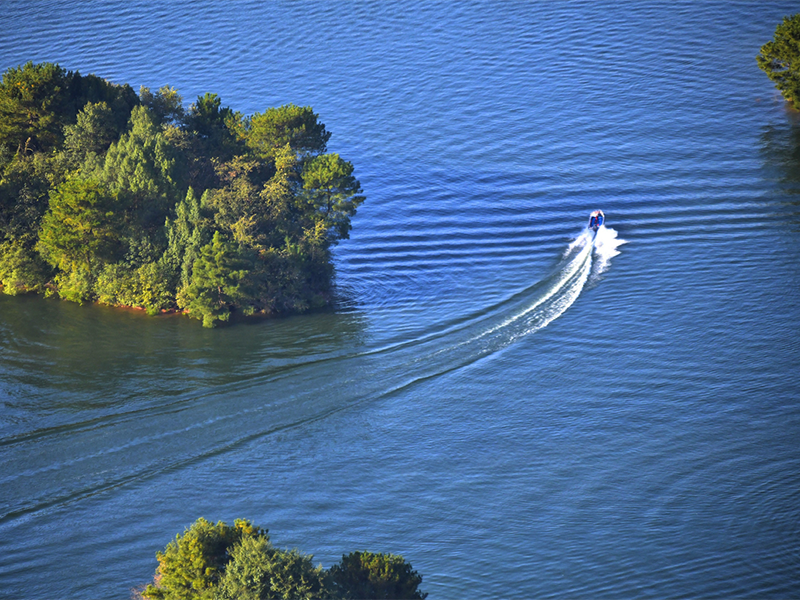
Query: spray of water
[[530, 310]]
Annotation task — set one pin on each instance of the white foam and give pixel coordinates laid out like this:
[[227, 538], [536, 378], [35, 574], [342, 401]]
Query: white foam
[[606, 243]]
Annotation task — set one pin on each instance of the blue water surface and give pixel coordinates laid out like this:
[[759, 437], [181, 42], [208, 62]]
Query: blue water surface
[[515, 413]]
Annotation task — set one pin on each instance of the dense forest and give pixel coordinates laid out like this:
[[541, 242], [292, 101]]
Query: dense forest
[[238, 562], [132, 200]]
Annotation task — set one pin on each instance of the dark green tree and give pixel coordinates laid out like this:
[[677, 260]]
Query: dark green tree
[[166, 105], [186, 234], [191, 566], [35, 105], [81, 229], [334, 193], [25, 186], [297, 126], [218, 282], [22, 268], [90, 136], [370, 575], [38, 100], [780, 59], [221, 129], [143, 172], [119, 98]]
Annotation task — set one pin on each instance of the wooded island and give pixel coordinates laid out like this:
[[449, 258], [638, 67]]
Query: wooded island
[[130, 200]]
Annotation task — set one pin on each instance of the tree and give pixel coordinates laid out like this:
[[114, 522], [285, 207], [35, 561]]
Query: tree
[[191, 566], [97, 198], [780, 59], [142, 170], [220, 127], [332, 190], [81, 229], [21, 268], [218, 282], [90, 88], [370, 575], [166, 105], [91, 135], [258, 571], [25, 186], [148, 286], [186, 234], [34, 107], [38, 100], [297, 126]]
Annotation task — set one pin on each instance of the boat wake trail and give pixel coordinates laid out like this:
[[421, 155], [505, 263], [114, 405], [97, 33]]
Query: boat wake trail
[[533, 308], [188, 428]]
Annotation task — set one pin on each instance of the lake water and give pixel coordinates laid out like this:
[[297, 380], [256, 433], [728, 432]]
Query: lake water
[[516, 414]]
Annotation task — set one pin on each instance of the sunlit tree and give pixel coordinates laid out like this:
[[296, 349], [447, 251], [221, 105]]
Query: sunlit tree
[[192, 564], [780, 59]]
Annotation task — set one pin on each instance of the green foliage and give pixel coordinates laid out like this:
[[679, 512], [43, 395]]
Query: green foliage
[[90, 136], [81, 229], [38, 100], [237, 205], [24, 190], [166, 105], [21, 268], [141, 170], [99, 198], [92, 89], [186, 234], [297, 126], [332, 190], [217, 282], [34, 107], [780, 59], [258, 571], [220, 128], [239, 563], [191, 566], [76, 285], [370, 575], [147, 286]]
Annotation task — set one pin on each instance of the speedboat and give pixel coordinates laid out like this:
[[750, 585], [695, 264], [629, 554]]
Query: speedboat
[[596, 220]]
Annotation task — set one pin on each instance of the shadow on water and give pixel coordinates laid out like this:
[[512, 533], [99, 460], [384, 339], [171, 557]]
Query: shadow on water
[[95, 356]]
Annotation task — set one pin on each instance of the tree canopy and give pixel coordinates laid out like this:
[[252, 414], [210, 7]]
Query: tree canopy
[[222, 562], [780, 59], [136, 201]]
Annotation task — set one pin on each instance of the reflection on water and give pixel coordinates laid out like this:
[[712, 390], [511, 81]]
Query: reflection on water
[[780, 152]]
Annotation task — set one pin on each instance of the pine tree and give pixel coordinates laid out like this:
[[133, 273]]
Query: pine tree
[[780, 59], [217, 283]]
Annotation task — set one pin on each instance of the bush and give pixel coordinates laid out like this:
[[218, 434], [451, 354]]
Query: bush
[[369, 575]]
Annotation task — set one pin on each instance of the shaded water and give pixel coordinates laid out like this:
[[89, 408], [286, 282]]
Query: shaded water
[[514, 412]]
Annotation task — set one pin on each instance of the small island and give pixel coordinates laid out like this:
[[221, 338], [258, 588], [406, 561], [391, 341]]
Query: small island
[[238, 562], [131, 200]]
